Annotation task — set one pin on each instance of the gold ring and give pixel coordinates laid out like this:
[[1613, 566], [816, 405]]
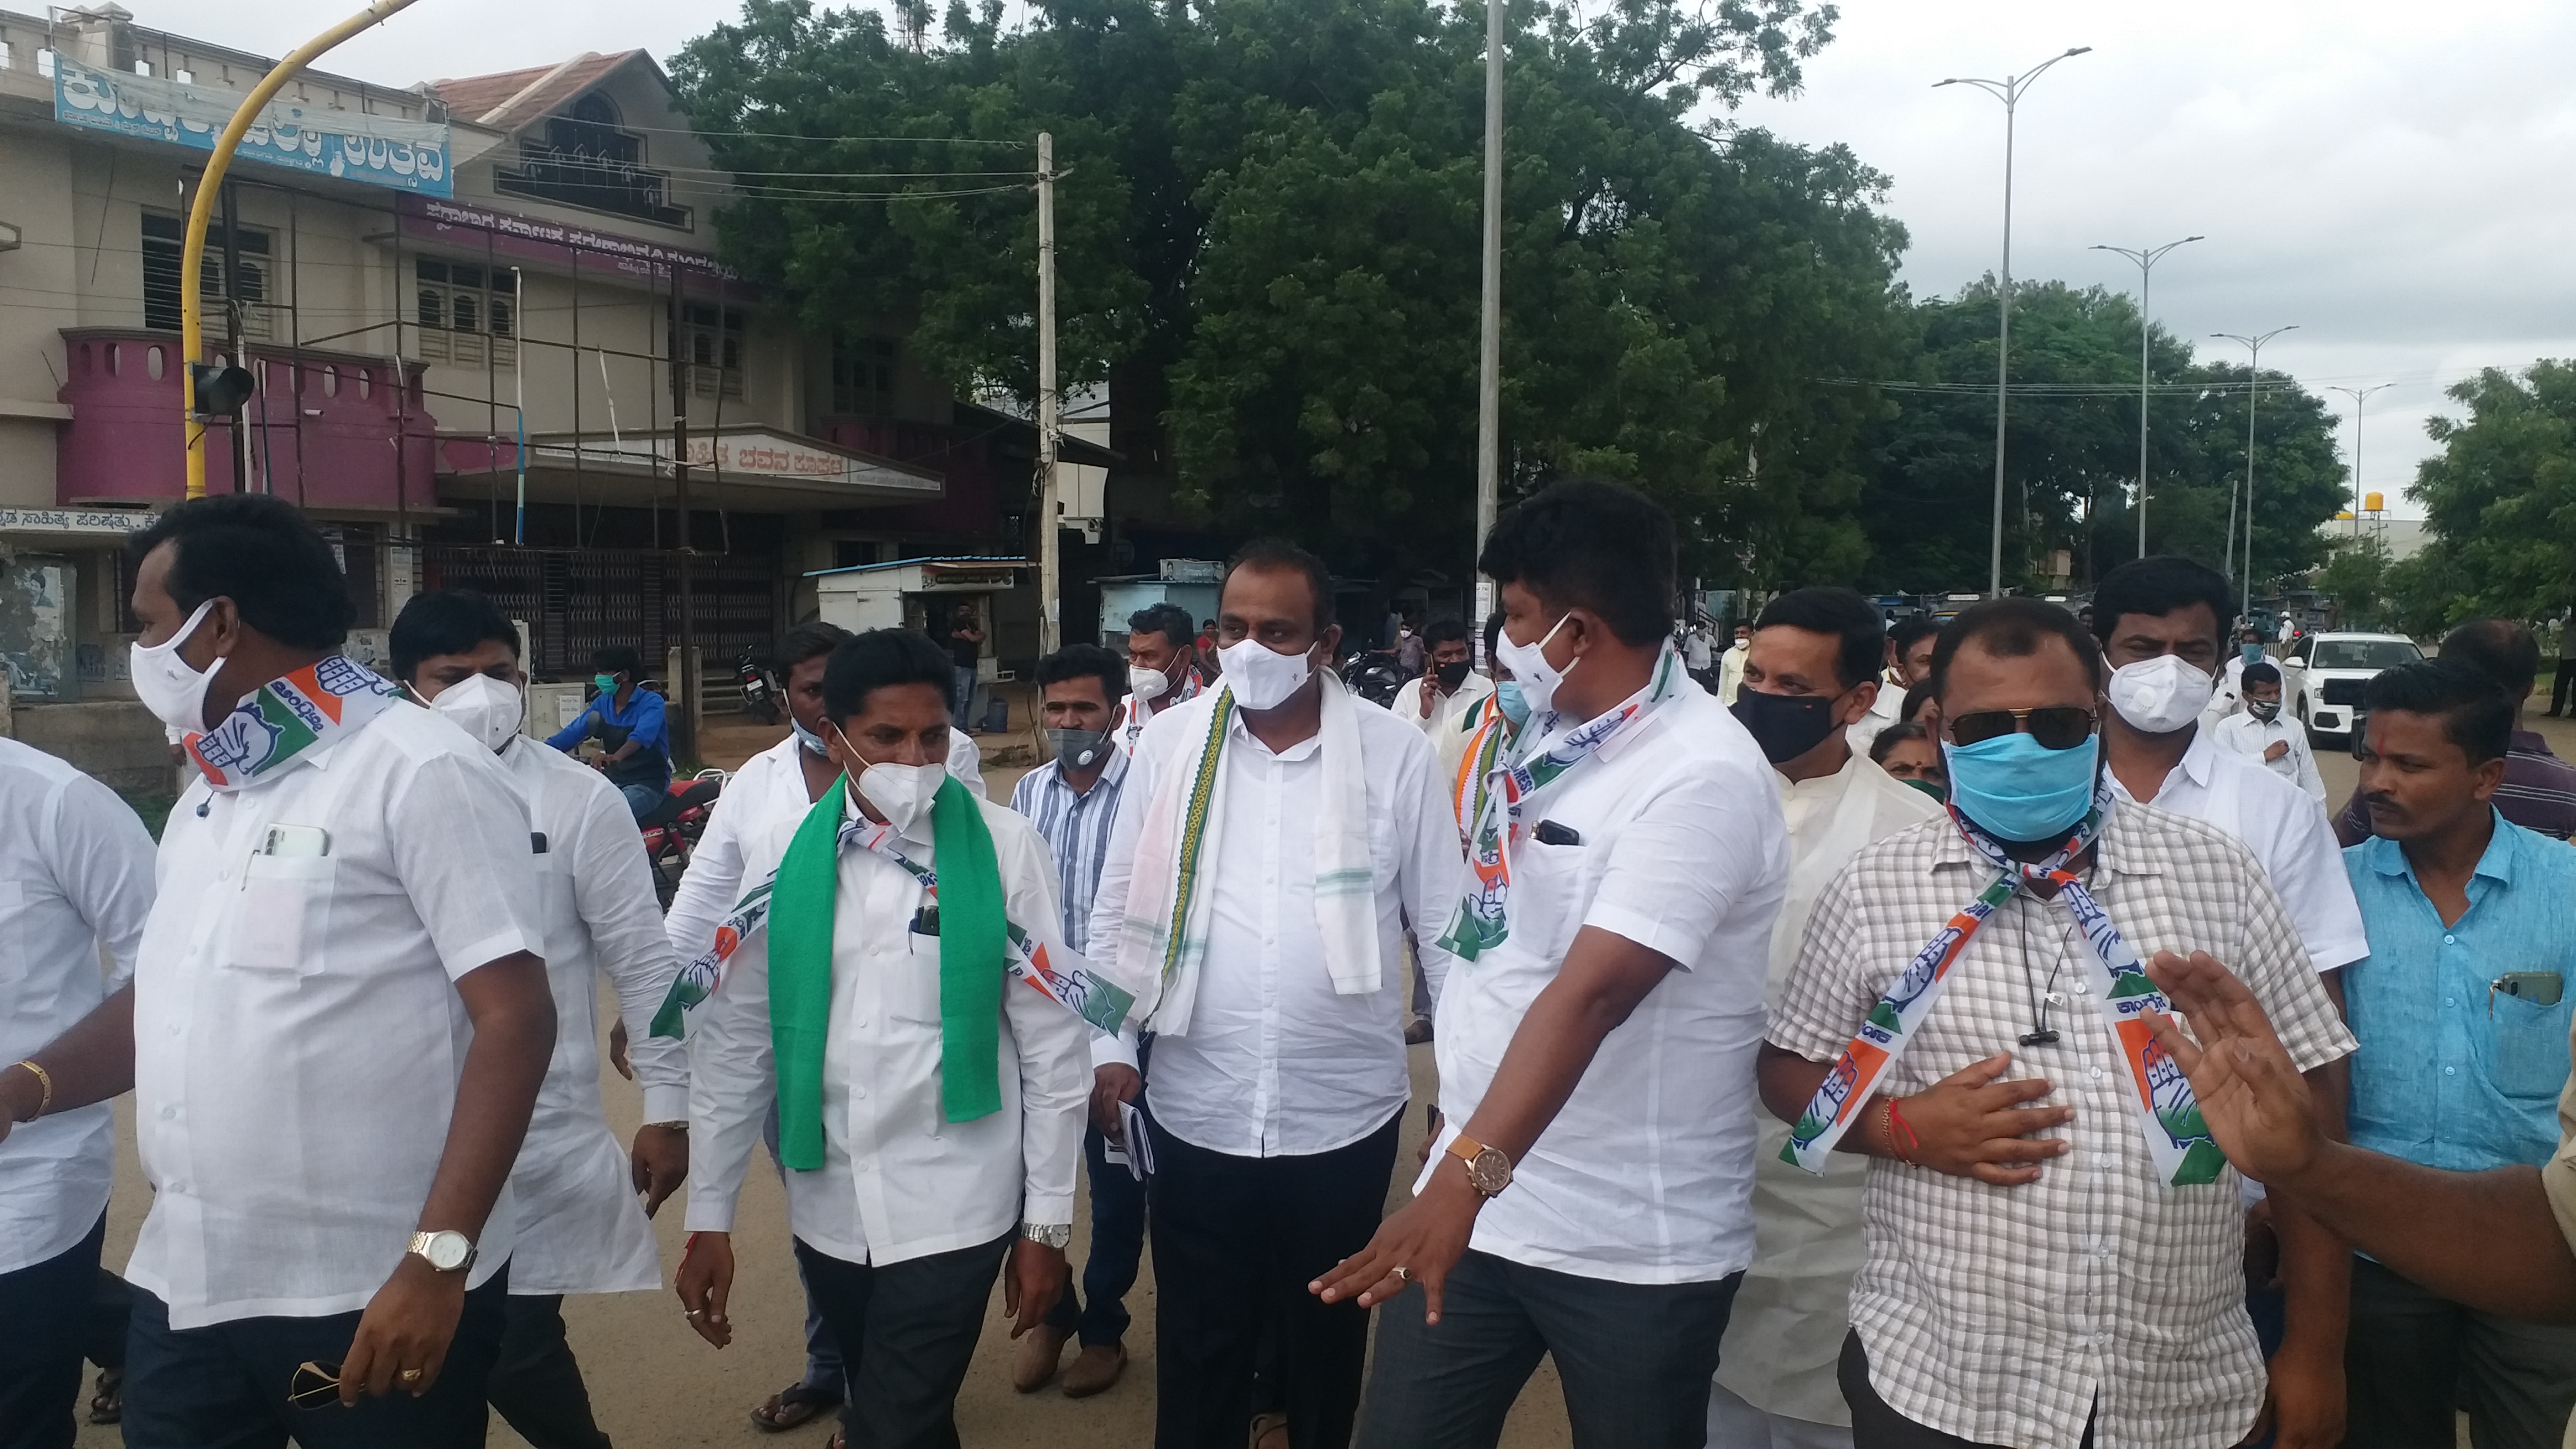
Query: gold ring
[[410, 1376]]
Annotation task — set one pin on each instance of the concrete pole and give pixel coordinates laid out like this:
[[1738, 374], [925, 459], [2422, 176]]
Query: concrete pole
[[1489, 350], [1050, 607]]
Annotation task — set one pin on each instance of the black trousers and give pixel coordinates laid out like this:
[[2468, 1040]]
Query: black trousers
[[536, 1383], [224, 1386], [1636, 1358], [2412, 1358], [2564, 685], [907, 1333], [1236, 1241], [1877, 1426], [44, 1318]]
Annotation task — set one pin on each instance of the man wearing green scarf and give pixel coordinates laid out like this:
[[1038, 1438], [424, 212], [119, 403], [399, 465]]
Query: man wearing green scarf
[[930, 1108]]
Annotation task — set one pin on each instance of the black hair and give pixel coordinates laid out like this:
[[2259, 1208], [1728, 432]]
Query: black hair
[[2157, 586], [1445, 631], [2013, 628], [618, 659], [2500, 649], [1585, 543], [1274, 555], [2260, 673], [262, 553], [446, 621], [1892, 736], [879, 659], [1851, 619], [2476, 714], [1082, 661], [808, 641], [1169, 620], [1493, 632], [1911, 630], [1915, 698]]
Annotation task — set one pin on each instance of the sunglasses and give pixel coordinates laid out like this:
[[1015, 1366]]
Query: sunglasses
[[2054, 726], [315, 1385]]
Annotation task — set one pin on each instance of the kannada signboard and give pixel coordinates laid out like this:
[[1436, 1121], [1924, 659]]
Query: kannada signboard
[[379, 150], [511, 236]]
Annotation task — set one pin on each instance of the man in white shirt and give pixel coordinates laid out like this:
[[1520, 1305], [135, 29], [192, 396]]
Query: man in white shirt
[[1813, 667], [1273, 910], [1697, 656], [75, 885], [580, 1227], [1450, 687], [2261, 735], [1162, 669], [929, 1103], [1909, 663], [1730, 665], [2229, 695], [347, 1021], [1586, 1197]]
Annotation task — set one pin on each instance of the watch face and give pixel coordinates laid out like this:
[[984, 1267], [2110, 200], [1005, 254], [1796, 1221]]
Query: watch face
[[447, 1251], [1491, 1171]]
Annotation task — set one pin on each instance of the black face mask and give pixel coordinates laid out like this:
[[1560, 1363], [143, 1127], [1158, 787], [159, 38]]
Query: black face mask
[[1785, 725], [1451, 675]]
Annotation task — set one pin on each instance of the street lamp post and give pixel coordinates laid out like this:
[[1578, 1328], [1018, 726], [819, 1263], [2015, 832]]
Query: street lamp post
[[2359, 395], [2009, 91], [2253, 395], [2146, 258]]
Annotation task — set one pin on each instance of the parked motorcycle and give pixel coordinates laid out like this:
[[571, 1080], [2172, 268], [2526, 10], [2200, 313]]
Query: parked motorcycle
[[671, 829], [762, 694], [1376, 676]]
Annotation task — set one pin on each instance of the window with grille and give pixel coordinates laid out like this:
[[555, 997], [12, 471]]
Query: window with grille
[[584, 159], [466, 314], [713, 336], [863, 376], [163, 237]]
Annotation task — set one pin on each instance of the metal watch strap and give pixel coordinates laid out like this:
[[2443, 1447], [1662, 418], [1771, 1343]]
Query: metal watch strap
[[1058, 1236]]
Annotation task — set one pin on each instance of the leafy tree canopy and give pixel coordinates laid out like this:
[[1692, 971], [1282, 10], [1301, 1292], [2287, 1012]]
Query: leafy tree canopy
[[2500, 501]]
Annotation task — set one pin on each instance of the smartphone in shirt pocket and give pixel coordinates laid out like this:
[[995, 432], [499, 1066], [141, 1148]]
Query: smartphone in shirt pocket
[[285, 891]]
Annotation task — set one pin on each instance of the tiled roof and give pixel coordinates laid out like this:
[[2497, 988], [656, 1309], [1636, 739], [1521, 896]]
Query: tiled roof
[[512, 98]]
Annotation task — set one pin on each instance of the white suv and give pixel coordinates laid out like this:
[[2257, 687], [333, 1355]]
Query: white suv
[[2323, 675]]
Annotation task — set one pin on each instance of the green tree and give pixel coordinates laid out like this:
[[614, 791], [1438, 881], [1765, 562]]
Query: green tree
[[2356, 579], [2500, 500]]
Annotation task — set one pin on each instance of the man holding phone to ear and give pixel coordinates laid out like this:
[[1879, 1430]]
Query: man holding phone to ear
[[2462, 1011], [342, 1014]]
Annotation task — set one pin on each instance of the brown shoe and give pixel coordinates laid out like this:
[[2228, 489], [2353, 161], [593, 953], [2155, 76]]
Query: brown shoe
[[1036, 1360], [1095, 1368]]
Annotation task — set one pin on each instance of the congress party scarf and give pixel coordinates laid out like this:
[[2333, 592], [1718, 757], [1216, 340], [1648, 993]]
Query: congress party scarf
[[1488, 733], [1483, 919], [2168, 1114], [285, 720], [796, 905]]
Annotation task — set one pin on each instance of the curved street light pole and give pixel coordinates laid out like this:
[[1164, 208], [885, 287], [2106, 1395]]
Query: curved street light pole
[[2146, 258], [2359, 395], [2009, 91], [210, 184], [2253, 394]]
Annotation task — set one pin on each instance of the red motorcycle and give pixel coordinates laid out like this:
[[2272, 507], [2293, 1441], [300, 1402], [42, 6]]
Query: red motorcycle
[[671, 829]]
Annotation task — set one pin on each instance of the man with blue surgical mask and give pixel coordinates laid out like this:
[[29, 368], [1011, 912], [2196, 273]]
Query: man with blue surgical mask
[[1963, 1012]]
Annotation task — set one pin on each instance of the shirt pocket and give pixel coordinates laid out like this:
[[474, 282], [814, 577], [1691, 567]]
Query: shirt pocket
[[2528, 1042], [278, 922], [1551, 891]]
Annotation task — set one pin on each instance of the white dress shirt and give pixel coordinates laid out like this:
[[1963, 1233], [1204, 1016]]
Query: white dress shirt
[[1863, 732], [1730, 671], [1445, 707], [2253, 738], [2286, 830], [75, 880], [898, 1180], [298, 1035], [581, 1229], [1644, 1175], [1276, 1063]]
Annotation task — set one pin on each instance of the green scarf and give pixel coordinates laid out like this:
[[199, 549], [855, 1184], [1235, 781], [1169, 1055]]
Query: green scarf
[[973, 963]]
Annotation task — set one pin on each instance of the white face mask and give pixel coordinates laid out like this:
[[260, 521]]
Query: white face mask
[[174, 692], [1260, 676], [1528, 664], [2160, 695], [901, 793], [489, 709], [1147, 684]]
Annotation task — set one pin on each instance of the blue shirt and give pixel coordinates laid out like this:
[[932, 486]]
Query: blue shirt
[[1075, 827], [641, 720], [2451, 1074]]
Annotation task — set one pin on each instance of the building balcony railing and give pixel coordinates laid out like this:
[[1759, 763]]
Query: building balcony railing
[[322, 426]]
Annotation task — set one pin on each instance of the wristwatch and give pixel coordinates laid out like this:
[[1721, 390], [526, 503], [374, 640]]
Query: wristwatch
[[447, 1251], [1058, 1236], [1488, 1170]]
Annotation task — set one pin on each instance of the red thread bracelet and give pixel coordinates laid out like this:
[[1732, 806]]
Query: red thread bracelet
[[1895, 1122]]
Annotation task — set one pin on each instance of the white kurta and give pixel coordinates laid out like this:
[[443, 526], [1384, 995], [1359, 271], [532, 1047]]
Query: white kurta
[[1785, 1333], [581, 1228]]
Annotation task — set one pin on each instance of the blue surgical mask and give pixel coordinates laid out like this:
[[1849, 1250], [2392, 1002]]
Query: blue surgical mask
[[1507, 698], [812, 742], [2253, 653], [2020, 790]]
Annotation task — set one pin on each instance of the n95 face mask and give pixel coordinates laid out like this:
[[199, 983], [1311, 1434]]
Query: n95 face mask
[[489, 709], [1261, 677], [166, 684], [2160, 695]]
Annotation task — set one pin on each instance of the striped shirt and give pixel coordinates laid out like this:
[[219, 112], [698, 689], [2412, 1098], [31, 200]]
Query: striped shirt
[[2538, 793], [1075, 826]]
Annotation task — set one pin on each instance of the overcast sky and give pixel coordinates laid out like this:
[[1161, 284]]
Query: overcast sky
[[2392, 177]]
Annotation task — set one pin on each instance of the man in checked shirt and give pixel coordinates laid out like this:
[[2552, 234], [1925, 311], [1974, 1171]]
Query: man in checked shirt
[[2032, 1281]]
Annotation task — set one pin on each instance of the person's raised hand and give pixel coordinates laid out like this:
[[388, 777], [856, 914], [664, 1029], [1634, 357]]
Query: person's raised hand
[[704, 1281], [1971, 1124], [2277, 749], [1113, 1085], [2251, 1094]]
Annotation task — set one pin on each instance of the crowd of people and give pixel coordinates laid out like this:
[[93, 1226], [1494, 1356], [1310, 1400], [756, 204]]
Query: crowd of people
[[1962, 1034]]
